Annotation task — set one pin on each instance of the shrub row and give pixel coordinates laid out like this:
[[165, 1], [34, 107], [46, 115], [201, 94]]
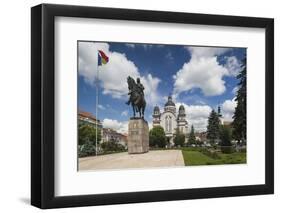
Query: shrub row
[[210, 153]]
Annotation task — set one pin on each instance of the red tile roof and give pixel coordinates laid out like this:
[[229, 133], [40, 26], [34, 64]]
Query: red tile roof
[[87, 115]]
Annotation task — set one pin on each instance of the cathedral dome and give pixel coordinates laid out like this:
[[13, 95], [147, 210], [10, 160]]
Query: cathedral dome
[[170, 102], [181, 107], [181, 110], [156, 109]]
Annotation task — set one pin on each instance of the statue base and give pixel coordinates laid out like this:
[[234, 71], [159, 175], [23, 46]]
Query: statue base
[[138, 136]]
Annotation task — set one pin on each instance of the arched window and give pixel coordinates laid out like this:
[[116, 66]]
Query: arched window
[[168, 123]]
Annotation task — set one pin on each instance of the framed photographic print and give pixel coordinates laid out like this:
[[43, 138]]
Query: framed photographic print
[[139, 106]]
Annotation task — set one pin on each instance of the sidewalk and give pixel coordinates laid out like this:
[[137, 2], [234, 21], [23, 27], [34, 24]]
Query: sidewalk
[[159, 158]]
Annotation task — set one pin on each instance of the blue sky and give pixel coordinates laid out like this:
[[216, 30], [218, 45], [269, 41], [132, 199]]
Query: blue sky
[[198, 77]]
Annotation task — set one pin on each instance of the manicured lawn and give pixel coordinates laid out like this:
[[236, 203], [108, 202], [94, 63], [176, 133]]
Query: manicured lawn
[[193, 157]]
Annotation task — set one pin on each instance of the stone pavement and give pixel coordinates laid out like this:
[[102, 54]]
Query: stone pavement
[[159, 158]]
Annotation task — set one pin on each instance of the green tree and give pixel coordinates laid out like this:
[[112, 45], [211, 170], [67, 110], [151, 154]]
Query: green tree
[[179, 138], [192, 138], [213, 128], [88, 133], [225, 136], [157, 137], [87, 140], [239, 117]]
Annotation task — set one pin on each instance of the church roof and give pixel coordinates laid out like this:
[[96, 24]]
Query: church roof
[[156, 108], [170, 102], [181, 107], [181, 110]]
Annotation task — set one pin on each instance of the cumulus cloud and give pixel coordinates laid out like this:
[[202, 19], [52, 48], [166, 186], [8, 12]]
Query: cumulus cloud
[[121, 127], [197, 115], [113, 76], [202, 71], [228, 108], [232, 65]]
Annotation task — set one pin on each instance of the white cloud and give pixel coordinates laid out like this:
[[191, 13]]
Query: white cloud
[[232, 65], [235, 89], [150, 125], [151, 84], [101, 107], [197, 115], [228, 108], [124, 113], [206, 51], [203, 71], [121, 127], [113, 75]]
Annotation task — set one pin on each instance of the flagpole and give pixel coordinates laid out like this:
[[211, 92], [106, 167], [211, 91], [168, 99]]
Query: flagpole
[[97, 99]]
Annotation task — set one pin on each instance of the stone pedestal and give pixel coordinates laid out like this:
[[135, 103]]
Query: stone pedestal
[[138, 136]]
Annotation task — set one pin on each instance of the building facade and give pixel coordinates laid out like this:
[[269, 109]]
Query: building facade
[[112, 135], [89, 119], [107, 134], [169, 120]]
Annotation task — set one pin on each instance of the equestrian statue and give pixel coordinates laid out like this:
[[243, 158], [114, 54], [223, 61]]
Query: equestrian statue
[[136, 96]]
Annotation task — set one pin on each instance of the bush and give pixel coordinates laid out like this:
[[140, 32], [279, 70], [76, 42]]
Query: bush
[[210, 153], [227, 149], [112, 146], [86, 149]]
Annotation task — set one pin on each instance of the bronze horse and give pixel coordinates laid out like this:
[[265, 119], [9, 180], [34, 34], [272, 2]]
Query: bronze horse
[[136, 97]]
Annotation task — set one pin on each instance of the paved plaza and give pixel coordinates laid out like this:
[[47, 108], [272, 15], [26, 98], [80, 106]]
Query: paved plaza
[[159, 158]]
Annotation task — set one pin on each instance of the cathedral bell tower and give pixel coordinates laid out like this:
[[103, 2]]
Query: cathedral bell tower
[[182, 123], [156, 116]]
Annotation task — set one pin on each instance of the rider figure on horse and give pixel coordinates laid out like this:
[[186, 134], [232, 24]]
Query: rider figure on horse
[[139, 90], [136, 94]]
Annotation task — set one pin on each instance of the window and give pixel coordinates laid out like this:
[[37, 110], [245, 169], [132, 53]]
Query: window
[[168, 123]]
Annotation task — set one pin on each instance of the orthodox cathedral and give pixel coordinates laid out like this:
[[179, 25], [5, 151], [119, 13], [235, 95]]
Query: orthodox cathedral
[[169, 120]]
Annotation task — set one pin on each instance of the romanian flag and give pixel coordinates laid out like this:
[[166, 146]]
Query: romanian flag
[[102, 58]]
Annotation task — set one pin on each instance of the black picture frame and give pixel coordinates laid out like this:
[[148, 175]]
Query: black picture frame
[[43, 105]]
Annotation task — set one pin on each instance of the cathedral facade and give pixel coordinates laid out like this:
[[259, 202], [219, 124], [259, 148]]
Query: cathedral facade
[[170, 121]]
